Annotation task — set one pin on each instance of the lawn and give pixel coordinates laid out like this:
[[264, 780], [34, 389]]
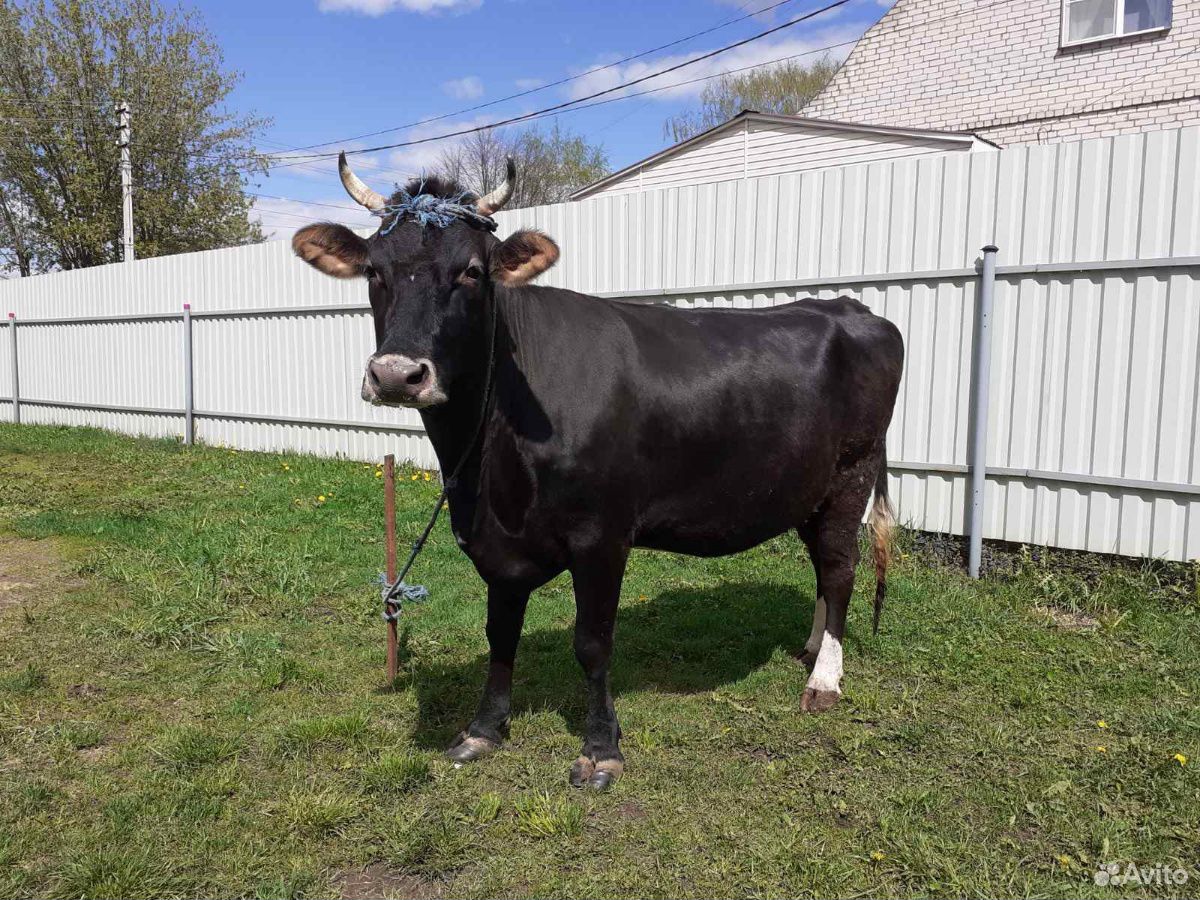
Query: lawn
[[192, 704]]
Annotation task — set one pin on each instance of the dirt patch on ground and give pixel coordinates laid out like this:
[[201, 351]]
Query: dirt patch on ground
[[1067, 619], [95, 754], [85, 690], [379, 881], [29, 569]]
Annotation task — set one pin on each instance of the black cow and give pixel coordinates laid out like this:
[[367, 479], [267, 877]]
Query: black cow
[[609, 425]]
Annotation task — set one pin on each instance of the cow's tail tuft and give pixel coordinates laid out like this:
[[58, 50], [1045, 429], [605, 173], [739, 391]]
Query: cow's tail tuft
[[882, 521]]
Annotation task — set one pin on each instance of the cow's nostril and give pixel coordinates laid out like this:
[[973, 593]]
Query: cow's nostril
[[417, 375]]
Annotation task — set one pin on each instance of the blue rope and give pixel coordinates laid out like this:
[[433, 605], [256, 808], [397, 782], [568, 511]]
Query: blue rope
[[393, 594], [426, 210]]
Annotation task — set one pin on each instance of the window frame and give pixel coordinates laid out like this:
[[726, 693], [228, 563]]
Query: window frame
[[1118, 23]]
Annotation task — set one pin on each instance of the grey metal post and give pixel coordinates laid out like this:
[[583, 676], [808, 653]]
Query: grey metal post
[[16, 381], [126, 182], [189, 402], [979, 405]]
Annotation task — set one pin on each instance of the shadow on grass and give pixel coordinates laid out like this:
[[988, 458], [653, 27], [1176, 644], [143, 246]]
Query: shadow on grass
[[686, 640]]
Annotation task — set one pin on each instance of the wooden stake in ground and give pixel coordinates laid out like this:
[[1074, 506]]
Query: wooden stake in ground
[[389, 517]]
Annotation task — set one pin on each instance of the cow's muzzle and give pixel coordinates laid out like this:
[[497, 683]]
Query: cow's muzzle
[[394, 380]]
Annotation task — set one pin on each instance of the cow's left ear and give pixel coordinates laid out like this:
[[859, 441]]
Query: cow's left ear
[[523, 257], [333, 249]]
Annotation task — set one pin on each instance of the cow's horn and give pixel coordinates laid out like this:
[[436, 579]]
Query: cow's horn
[[496, 199], [357, 190]]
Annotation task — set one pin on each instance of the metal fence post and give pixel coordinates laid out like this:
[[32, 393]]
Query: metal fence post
[[979, 405], [16, 381], [189, 405]]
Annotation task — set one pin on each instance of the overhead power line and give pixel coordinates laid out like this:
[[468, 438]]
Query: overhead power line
[[552, 84], [569, 103], [49, 101], [306, 161], [344, 206]]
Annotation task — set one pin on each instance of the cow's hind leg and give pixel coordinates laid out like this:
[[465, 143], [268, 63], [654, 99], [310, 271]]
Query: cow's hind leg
[[506, 615], [597, 591], [836, 530]]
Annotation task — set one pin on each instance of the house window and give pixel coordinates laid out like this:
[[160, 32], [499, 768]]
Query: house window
[[1095, 20]]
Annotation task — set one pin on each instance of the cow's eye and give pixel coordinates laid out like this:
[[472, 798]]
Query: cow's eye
[[370, 273], [473, 272]]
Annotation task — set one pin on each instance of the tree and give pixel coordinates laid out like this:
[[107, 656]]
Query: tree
[[551, 165], [64, 66], [783, 88]]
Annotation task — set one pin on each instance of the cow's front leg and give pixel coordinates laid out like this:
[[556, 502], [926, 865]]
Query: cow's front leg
[[597, 591], [506, 615]]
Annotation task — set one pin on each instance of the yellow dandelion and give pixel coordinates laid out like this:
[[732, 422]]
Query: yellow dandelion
[[321, 498], [1180, 758], [1101, 724], [414, 477], [1101, 749], [378, 474], [242, 486], [878, 855], [426, 476]]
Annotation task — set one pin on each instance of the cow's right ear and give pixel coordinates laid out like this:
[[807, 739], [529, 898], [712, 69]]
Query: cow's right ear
[[333, 249]]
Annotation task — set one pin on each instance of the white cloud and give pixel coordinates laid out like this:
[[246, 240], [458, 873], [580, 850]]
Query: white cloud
[[469, 87], [749, 55], [280, 219], [407, 162], [528, 84], [383, 170], [380, 7]]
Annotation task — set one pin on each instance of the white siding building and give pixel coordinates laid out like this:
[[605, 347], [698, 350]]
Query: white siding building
[[752, 144], [1024, 71]]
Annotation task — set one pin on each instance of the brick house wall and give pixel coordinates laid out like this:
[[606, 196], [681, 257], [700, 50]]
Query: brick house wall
[[995, 67]]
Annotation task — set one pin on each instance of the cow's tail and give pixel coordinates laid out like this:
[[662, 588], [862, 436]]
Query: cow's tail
[[882, 521]]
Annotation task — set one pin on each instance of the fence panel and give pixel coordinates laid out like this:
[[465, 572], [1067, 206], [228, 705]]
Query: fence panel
[[1095, 376], [6, 387]]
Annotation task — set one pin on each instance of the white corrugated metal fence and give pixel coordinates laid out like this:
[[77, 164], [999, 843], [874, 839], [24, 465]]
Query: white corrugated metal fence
[[1092, 440]]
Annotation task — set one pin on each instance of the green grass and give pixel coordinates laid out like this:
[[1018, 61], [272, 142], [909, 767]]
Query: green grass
[[191, 704]]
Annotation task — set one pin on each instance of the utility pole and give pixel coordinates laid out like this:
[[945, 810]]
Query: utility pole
[[126, 181]]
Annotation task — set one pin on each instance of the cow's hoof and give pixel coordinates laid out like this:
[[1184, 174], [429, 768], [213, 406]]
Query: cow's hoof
[[815, 701], [598, 776], [467, 748]]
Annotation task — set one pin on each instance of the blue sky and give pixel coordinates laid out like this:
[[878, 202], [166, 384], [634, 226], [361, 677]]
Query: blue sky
[[326, 70]]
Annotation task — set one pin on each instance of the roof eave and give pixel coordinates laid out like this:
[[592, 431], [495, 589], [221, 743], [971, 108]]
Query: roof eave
[[951, 138]]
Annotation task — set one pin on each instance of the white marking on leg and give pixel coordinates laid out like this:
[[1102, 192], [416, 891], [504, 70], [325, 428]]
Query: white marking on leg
[[818, 628], [827, 673]]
